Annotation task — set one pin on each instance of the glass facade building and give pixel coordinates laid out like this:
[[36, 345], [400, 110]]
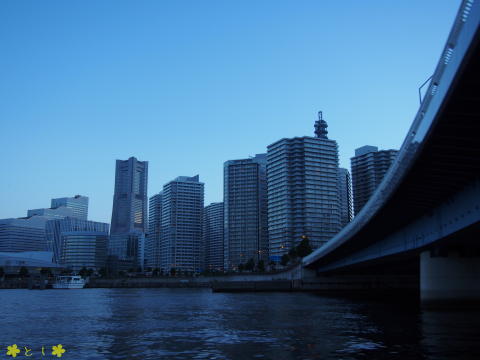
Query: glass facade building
[[126, 251], [245, 211], [78, 204], [181, 244], [152, 241], [83, 249], [52, 213], [368, 169], [213, 236], [345, 194], [303, 192], [129, 213], [23, 234], [56, 229]]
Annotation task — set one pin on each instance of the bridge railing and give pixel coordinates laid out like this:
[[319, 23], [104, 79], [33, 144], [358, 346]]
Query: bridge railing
[[463, 31]]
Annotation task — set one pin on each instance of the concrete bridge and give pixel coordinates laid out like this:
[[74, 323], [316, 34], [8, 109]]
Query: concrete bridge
[[423, 222], [420, 231]]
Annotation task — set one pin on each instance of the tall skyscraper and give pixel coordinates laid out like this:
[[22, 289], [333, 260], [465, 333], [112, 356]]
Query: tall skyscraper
[[56, 231], [78, 204], [213, 236], [129, 213], [368, 169], [181, 231], [345, 194], [152, 241], [245, 204], [303, 199]]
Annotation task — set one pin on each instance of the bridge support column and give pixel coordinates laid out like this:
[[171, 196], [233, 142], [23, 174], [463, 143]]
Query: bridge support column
[[450, 278], [308, 274]]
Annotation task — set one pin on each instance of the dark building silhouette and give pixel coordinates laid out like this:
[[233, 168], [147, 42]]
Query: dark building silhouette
[[368, 169], [245, 202], [213, 236], [345, 196], [152, 240]]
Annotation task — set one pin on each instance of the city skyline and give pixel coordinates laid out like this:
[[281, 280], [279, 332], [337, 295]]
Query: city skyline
[[347, 238], [322, 75]]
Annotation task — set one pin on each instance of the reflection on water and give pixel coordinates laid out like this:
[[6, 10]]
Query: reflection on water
[[196, 324]]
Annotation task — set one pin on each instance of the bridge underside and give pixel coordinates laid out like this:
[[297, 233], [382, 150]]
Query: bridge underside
[[455, 223], [431, 221]]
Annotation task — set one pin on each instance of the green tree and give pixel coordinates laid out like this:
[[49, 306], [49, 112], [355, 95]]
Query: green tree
[[261, 266], [83, 272], [293, 253], [284, 259], [272, 265], [23, 271], [173, 271], [304, 248], [250, 265], [240, 267], [2, 272], [102, 272], [46, 271]]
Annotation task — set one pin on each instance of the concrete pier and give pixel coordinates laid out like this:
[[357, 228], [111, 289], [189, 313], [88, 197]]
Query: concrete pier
[[450, 277]]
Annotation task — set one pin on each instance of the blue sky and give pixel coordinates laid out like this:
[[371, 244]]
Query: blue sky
[[188, 85]]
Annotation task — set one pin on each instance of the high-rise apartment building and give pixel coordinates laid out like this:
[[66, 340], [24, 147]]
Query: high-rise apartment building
[[181, 245], [303, 198], [345, 195], [129, 213], [245, 210], [213, 236], [368, 169], [78, 204], [152, 241]]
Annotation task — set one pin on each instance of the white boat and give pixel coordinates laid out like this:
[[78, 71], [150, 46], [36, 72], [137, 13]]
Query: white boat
[[69, 282]]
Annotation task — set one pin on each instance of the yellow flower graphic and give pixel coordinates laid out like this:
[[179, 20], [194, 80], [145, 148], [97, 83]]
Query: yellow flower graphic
[[58, 350], [13, 350]]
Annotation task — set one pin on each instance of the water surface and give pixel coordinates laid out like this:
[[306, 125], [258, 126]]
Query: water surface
[[198, 324]]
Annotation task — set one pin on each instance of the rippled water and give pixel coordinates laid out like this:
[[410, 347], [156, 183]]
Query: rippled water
[[197, 324]]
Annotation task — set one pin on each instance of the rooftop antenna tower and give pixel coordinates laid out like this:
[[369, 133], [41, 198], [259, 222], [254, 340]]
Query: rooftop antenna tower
[[321, 127]]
